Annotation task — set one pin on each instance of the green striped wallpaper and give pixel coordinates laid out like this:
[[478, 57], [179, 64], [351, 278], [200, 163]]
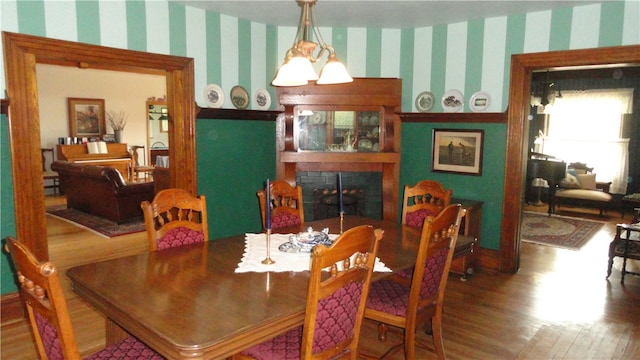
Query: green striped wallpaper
[[469, 56]]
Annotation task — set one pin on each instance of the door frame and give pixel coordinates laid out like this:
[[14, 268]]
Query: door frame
[[522, 66], [21, 54]]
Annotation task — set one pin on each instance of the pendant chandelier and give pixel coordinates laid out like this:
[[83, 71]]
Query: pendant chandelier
[[297, 69], [545, 92]]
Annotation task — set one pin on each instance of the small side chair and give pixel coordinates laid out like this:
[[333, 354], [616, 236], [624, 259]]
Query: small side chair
[[286, 203], [175, 218], [626, 244], [46, 306]]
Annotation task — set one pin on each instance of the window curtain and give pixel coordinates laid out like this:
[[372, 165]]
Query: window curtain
[[585, 126]]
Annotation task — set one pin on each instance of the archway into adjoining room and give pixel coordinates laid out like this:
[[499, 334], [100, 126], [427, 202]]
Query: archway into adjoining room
[[522, 66], [22, 53]]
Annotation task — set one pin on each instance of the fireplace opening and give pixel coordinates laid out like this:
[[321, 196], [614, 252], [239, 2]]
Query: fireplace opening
[[326, 204], [363, 197]]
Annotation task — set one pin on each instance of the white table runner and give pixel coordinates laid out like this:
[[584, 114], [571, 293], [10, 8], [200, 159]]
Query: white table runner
[[256, 250]]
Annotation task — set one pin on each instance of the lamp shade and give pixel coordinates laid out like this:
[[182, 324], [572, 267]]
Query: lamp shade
[[297, 71], [287, 77], [334, 72]]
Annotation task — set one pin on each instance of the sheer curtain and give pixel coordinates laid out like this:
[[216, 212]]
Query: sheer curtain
[[586, 126]]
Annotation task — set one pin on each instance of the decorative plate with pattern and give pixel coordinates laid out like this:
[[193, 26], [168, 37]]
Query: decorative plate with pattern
[[452, 101], [213, 95], [239, 97], [262, 99], [425, 101]]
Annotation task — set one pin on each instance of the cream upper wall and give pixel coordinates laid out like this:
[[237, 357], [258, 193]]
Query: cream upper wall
[[120, 90]]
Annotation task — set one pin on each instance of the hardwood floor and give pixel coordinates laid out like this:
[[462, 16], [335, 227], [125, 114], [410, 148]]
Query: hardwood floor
[[558, 306]]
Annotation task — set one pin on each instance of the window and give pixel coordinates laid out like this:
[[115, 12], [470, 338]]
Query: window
[[586, 126]]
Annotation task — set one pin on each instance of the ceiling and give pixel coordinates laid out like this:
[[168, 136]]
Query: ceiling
[[379, 14]]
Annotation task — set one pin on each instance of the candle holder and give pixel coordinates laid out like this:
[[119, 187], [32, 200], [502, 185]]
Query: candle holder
[[268, 260], [341, 220]]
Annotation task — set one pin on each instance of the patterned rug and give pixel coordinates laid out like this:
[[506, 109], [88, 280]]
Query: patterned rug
[[98, 225], [559, 231]]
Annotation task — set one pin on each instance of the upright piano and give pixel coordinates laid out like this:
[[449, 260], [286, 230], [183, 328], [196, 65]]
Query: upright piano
[[117, 156], [549, 168]]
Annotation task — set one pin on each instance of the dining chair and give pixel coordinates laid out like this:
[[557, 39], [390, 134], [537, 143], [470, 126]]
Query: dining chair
[[46, 306], [175, 218], [286, 203], [49, 174], [425, 198], [335, 301], [137, 168], [406, 303]]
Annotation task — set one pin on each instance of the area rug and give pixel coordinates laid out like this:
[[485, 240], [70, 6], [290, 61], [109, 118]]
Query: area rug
[[559, 231], [98, 225]]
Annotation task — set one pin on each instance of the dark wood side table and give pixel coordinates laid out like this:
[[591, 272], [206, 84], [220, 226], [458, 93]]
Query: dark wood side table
[[632, 201], [465, 257]]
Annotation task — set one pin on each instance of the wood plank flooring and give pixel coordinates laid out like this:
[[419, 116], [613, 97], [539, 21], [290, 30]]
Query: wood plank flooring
[[558, 306]]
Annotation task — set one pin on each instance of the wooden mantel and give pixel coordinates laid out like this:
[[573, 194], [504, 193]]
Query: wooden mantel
[[362, 93]]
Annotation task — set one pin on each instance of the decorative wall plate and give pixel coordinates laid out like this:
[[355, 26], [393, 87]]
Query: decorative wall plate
[[213, 95], [425, 101], [479, 101], [262, 99], [239, 97], [452, 101]]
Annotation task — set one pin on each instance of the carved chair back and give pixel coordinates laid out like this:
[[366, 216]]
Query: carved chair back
[[286, 203], [42, 295], [403, 302], [175, 218], [425, 198], [336, 298]]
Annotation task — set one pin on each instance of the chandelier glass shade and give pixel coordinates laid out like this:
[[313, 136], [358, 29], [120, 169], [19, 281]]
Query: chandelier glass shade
[[297, 68]]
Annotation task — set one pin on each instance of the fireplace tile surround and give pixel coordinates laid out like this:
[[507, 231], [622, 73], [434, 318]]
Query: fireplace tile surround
[[369, 182]]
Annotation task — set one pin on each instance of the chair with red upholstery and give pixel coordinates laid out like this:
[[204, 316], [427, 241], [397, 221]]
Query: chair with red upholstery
[[335, 302], [286, 203], [175, 218], [46, 306], [425, 198], [406, 303]]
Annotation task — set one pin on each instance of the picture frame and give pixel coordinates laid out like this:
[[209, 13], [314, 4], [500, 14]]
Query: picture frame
[[86, 117], [457, 151]]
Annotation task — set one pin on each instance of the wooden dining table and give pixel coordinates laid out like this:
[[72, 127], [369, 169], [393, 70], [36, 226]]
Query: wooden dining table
[[189, 303]]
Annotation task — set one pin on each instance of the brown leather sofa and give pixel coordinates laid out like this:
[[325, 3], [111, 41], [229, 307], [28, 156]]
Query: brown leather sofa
[[102, 191]]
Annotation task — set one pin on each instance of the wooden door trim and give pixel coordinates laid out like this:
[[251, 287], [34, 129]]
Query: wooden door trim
[[21, 54], [522, 66]]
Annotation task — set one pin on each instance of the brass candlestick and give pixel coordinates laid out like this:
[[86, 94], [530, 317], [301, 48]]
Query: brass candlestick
[[341, 220], [268, 260]]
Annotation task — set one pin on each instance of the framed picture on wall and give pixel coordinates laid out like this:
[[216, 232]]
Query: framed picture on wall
[[457, 151], [86, 117]]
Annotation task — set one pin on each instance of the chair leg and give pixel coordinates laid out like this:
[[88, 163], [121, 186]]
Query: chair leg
[[410, 343], [438, 342]]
